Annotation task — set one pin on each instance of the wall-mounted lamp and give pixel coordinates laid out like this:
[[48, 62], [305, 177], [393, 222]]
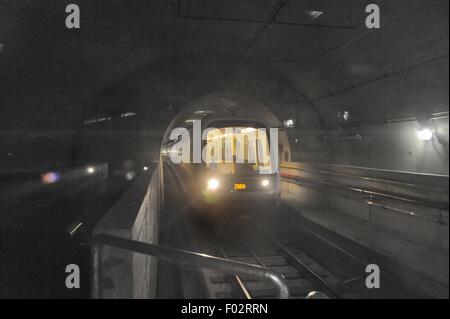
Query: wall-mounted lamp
[[425, 134], [290, 123], [424, 131], [130, 175], [343, 116]]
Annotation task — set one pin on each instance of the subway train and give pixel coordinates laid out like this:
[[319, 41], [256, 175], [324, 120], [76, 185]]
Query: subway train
[[225, 150]]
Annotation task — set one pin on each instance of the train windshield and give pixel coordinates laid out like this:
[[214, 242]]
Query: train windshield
[[241, 151]]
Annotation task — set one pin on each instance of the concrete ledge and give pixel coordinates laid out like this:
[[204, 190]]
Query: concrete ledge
[[423, 269], [135, 216], [413, 221]]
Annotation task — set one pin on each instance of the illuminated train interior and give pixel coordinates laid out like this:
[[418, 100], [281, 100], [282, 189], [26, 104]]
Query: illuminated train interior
[[227, 149]]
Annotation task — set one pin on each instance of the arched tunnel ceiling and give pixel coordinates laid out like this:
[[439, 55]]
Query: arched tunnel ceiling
[[164, 53]]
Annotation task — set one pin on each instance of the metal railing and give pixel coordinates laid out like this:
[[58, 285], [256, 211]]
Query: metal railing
[[435, 204], [179, 257], [351, 172], [375, 199]]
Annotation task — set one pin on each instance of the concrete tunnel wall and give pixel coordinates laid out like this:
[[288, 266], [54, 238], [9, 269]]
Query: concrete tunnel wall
[[164, 62], [393, 85], [170, 85], [387, 146]]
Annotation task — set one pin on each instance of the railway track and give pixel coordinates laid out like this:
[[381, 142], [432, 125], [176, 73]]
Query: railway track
[[302, 274], [307, 257]]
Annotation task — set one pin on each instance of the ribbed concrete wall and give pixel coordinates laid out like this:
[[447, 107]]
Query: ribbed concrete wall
[[135, 216], [414, 238]]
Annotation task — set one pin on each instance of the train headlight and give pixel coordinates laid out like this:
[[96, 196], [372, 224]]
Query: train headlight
[[213, 184], [265, 182]]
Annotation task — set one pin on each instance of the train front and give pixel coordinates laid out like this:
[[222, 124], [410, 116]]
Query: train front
[[240, 168]]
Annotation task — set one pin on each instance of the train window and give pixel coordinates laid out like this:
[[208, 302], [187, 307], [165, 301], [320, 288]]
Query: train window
[[237, 150]]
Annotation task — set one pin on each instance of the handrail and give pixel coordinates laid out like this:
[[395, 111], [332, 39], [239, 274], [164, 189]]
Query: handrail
[[365, 178], [180, 257], [370, 200]]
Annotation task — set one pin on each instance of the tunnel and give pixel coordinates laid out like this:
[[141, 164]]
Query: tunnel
[[226, 149]]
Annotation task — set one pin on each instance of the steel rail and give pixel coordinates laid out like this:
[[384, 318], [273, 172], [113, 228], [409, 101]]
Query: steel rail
[[303, 268], [239, 282]]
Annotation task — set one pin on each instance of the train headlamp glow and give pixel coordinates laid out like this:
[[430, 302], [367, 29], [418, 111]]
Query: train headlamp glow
[[265, 182], [213, 184]]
